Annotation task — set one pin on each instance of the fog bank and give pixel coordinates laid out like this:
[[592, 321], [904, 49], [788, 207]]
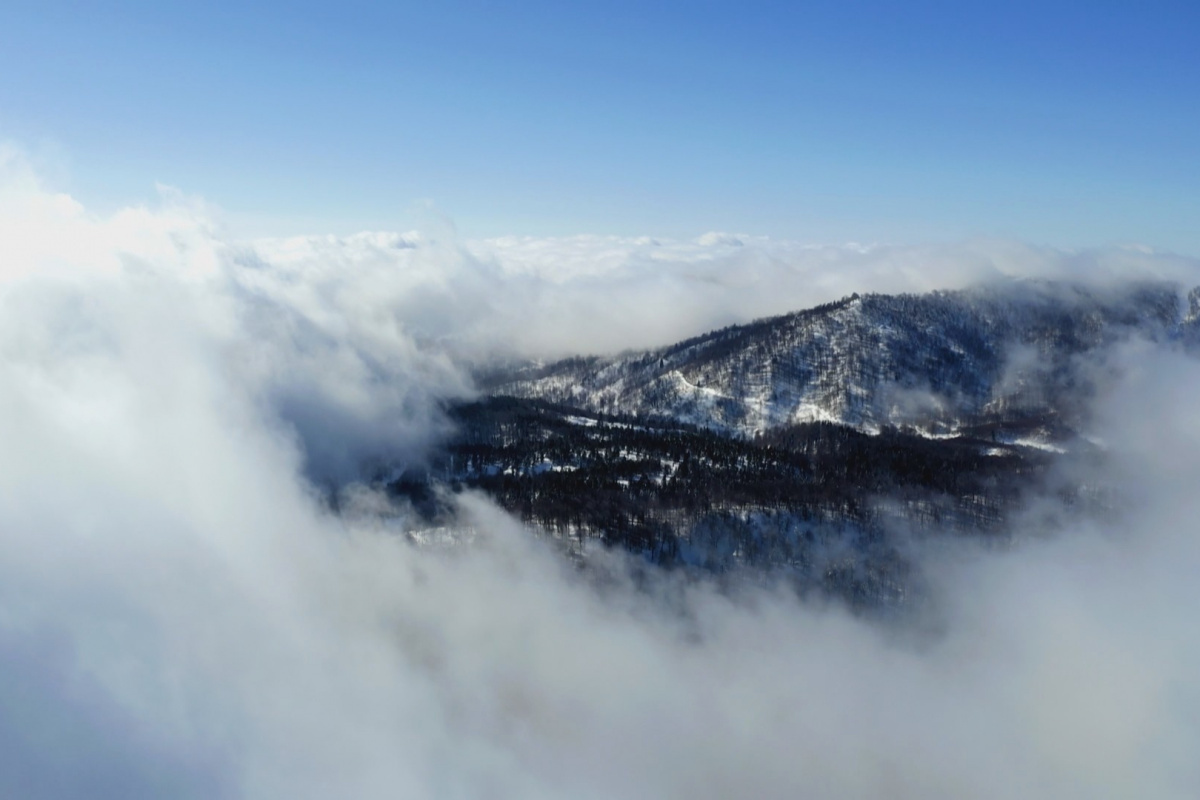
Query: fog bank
[[181, 615]]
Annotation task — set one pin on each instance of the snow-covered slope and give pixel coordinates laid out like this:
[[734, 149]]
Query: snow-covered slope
[[939, 361]]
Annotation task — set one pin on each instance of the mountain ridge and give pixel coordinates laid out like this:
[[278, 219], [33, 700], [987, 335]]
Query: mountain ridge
[[939, 362]]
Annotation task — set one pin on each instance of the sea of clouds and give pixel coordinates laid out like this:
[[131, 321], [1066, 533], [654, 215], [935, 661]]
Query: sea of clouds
[[182, 613]]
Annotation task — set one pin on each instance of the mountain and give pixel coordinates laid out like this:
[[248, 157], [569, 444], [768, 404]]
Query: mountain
[[818, 445], [939, 362]]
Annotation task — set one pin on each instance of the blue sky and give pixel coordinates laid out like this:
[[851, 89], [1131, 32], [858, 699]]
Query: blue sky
[[1066, 123]]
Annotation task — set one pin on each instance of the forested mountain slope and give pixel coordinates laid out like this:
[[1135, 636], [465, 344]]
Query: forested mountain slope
[[819, 444]]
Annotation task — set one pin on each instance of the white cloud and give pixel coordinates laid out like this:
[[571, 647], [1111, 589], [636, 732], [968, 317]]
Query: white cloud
[[180, 615], [598, 294], [551, 297]]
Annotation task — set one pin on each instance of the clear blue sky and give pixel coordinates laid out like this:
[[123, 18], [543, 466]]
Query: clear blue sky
[[1068, 123]]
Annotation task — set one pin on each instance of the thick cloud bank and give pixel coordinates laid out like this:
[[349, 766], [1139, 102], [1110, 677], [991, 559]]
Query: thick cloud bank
[[594, 294], [182, 616]]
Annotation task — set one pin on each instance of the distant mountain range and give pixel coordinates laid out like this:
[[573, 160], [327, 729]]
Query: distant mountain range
[[818, 445]]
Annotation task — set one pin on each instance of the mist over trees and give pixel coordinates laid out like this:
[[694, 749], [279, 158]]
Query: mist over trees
[[817, 445]]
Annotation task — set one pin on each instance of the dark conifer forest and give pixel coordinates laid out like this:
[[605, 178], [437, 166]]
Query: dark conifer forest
[[820, 501]]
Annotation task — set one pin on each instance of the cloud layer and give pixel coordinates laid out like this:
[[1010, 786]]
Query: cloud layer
[[182, 615]]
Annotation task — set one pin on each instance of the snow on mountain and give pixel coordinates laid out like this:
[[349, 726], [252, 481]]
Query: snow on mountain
[[939, 361]]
